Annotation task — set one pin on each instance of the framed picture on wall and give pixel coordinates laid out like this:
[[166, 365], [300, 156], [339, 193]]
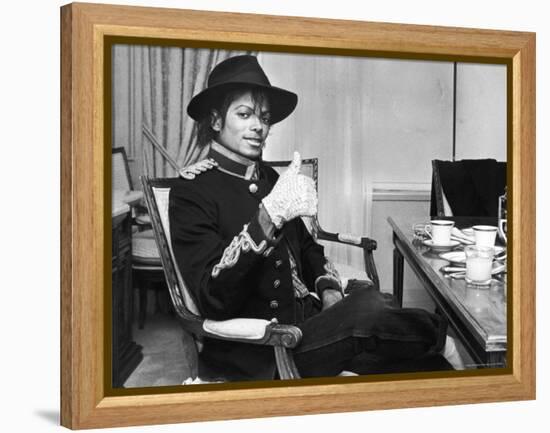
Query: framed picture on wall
[[308, 215]]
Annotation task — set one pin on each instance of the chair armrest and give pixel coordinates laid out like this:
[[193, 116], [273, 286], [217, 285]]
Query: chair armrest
[[368, 245], [143, 220], [254, 331], [249, 329], [348, 239], [258, 331]]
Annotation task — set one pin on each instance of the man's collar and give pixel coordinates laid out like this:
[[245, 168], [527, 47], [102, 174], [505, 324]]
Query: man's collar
[[231, 163]]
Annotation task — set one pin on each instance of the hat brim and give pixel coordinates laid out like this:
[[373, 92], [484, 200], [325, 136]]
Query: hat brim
[[282, 102]]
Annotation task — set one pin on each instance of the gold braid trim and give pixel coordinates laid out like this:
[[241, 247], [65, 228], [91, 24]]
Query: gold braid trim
[[242, 242]]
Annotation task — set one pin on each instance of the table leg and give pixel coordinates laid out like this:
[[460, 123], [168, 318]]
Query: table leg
[[496, 359], [398, 276]]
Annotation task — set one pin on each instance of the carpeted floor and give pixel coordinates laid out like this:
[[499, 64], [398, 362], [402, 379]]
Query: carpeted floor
[[166, 353]]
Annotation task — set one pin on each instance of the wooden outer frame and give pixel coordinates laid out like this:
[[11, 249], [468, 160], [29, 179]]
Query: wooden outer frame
[[84, 222]]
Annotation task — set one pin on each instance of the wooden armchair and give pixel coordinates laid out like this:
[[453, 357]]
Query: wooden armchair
[[253, 331], [309, 168]]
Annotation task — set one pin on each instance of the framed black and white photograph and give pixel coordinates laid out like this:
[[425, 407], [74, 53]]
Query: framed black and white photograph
[[301, 216]]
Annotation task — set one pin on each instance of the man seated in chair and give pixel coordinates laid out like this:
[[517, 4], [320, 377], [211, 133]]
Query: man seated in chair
[[244, 251]]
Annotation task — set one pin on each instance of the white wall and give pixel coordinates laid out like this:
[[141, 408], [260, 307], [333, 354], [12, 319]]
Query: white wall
[[399, 111], [481, 111], [30, 317]]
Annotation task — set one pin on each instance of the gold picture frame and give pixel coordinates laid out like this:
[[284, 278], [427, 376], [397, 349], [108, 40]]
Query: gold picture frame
[[85, 266]]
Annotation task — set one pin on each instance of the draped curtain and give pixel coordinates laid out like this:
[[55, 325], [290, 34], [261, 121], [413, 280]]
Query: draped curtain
[[151, 88]]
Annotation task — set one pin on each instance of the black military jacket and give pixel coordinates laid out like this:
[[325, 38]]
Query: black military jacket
[[232, 268]]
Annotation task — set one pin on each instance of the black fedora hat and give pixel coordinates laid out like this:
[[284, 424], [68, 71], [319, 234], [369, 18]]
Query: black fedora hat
[[233, 73]]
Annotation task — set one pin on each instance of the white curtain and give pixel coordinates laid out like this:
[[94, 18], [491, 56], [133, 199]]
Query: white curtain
[[330, 124]]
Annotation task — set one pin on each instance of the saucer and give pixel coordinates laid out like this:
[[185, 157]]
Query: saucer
[[498, 250], [440, 247], [455, 257], [459, 257], [469, 231]]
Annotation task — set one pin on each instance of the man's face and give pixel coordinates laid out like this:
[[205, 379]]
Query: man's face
[[245, 128]]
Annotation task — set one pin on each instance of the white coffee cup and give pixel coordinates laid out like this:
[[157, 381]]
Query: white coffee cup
[[440, 231], [485, 235]]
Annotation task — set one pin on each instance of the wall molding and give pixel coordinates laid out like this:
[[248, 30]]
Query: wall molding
[[393, 191]]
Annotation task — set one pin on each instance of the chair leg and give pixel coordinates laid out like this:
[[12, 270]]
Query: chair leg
[[143, 289], [158, 300], [285, 363], [190, 355]]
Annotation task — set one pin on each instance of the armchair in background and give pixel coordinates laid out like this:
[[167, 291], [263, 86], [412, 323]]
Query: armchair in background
[[470, 187], [147, 272], [122, 188]]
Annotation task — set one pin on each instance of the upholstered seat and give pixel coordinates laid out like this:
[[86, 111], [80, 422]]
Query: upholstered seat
[[144, 248]]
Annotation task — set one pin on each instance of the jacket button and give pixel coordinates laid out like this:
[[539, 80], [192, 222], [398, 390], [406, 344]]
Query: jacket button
[[276, 283], [253, 188], [273, 305], [278, 264]]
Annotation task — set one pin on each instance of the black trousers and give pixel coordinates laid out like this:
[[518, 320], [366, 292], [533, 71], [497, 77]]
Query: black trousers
[[367, 333]]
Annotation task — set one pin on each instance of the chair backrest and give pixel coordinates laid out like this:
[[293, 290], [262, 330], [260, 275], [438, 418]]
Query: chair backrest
[[120, 170], [439, 205], [157, 193], [471, 187], [308, 168]]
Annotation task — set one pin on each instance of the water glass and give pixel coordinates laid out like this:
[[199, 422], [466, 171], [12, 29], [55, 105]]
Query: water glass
[[479, 264]]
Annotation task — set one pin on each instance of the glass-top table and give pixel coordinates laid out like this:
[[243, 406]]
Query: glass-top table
[[476, 314]]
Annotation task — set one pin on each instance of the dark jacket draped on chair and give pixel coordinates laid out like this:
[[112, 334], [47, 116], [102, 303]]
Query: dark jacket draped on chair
[[471, 186]]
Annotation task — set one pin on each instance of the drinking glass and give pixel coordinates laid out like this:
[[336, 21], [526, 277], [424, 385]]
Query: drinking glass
[[479, 264]]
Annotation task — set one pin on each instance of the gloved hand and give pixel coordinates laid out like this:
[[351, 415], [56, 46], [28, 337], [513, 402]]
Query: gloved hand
[[292, 196]]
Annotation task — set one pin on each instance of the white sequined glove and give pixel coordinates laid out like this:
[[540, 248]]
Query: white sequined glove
[[292, 196]]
